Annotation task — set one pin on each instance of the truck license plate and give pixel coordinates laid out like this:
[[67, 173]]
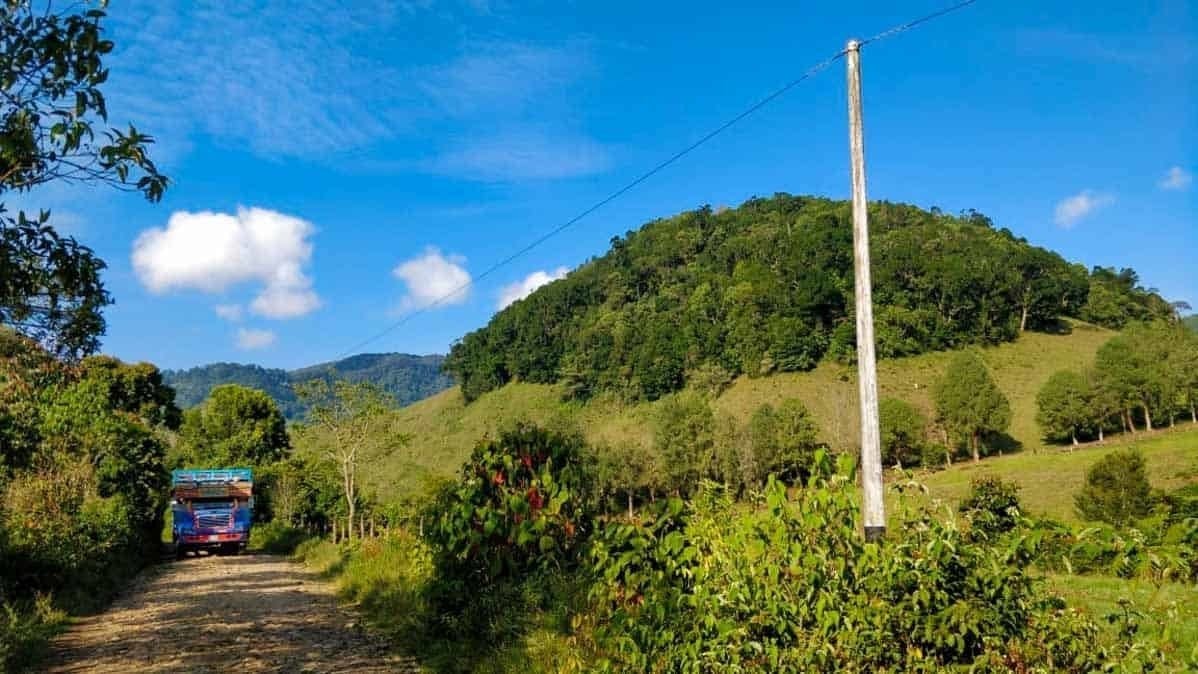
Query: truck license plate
[[214, 537]]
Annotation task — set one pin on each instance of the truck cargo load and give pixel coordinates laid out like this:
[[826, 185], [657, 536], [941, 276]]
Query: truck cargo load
[[211, 509]]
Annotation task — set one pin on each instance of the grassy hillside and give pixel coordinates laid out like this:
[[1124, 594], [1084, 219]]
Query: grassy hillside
[[444, 428], [1049, 479]]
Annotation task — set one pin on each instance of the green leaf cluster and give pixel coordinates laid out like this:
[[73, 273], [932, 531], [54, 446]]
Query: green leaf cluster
[[523, 501], [790, 586], [54, 129]]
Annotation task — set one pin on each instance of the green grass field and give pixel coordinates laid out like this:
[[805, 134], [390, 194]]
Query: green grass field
[[1169, 613], [1048, 478], [443, 429]]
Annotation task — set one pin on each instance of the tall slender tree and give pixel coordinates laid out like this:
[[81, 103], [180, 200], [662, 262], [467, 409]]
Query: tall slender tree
[[349, 423]]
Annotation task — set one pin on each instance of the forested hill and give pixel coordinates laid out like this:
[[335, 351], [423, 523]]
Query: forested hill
[[767, 287], [1192, 321], [409, 378]]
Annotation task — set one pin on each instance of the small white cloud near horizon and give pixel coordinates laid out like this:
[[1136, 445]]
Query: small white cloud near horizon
[[521, 289], [251, 338], [1176, 178], [210, 252], [1072, 209], [229, 312], [432, 278]]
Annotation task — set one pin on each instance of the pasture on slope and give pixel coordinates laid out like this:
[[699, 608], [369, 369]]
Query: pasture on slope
[[442, 429]]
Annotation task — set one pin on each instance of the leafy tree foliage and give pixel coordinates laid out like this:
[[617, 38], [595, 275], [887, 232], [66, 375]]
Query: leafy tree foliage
[[783, 440], [348, 423], [523, 501], [992, 506], [82, 479], [53, 128], [969, 403], [1117, 490], [137, 389], [236, 426], [1064, 404], [903, 427], [1134, 369], [1116, 298], [767, 287], [684, 438], [792, 587]]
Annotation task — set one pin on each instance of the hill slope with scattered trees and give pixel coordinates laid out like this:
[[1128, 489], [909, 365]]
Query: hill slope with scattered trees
[[406, 377], [768, 287]]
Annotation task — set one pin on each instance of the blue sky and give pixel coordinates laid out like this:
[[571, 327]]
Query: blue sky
[[334, 168]]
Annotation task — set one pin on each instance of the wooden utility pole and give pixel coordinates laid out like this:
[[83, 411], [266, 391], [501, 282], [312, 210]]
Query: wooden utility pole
[[867, 368]]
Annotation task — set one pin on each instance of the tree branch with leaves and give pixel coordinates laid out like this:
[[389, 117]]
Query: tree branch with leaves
[[349, 423]]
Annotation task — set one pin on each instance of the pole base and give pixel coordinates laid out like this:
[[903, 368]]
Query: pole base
[[874, 534]]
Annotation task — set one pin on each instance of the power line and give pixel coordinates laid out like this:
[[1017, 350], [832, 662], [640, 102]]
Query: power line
[[761, 103], [904, 27]]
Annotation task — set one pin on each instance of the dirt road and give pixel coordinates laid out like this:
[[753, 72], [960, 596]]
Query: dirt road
[[251, 613]]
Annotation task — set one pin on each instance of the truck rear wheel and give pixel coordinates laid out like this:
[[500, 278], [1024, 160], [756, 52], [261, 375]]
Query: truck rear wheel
[[229, 548], [180, 551]]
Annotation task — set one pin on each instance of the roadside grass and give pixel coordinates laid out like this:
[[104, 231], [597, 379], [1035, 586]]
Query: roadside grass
[[1169, 613], [443, 429], [386, 579], [1049, 479]]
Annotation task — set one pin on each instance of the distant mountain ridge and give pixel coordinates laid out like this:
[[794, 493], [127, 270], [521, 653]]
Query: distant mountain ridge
[[407, 377]]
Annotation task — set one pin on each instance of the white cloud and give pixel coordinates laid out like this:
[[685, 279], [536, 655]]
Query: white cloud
[[523, 155], [521, 289], [229, 312], [251, 338], [1078, 206], [1176, 178], [211, 252], [433, 278]]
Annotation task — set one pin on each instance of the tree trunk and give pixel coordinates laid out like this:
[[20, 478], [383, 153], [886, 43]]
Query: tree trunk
[[1147, 418], [977, 455], [1194, 413], [630, 504], [1100, 438], [1073, 434], [948, 457], [1023, 319], [1131, 423]]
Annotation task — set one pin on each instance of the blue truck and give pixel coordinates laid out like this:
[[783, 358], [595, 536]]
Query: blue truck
[[211, 509]]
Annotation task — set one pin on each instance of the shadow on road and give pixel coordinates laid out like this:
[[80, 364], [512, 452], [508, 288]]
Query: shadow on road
[[247, 613]]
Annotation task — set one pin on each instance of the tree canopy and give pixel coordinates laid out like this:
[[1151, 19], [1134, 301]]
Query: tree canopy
[[969, 402], [54, 128], [236, 426], [768, 287], [1064, 405]]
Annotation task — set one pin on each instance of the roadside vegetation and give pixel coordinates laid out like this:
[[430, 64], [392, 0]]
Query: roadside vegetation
[[648, 465]]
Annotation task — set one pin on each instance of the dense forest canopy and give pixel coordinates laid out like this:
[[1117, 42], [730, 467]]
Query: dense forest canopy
[[768, 287], [405, 377]]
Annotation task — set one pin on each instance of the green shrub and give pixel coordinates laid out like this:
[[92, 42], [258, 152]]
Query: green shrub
[[1117, 490], [902, 427], [523, 501], [793, 587], [992, 506], [276, 538], [25, 628], [934, 456]]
